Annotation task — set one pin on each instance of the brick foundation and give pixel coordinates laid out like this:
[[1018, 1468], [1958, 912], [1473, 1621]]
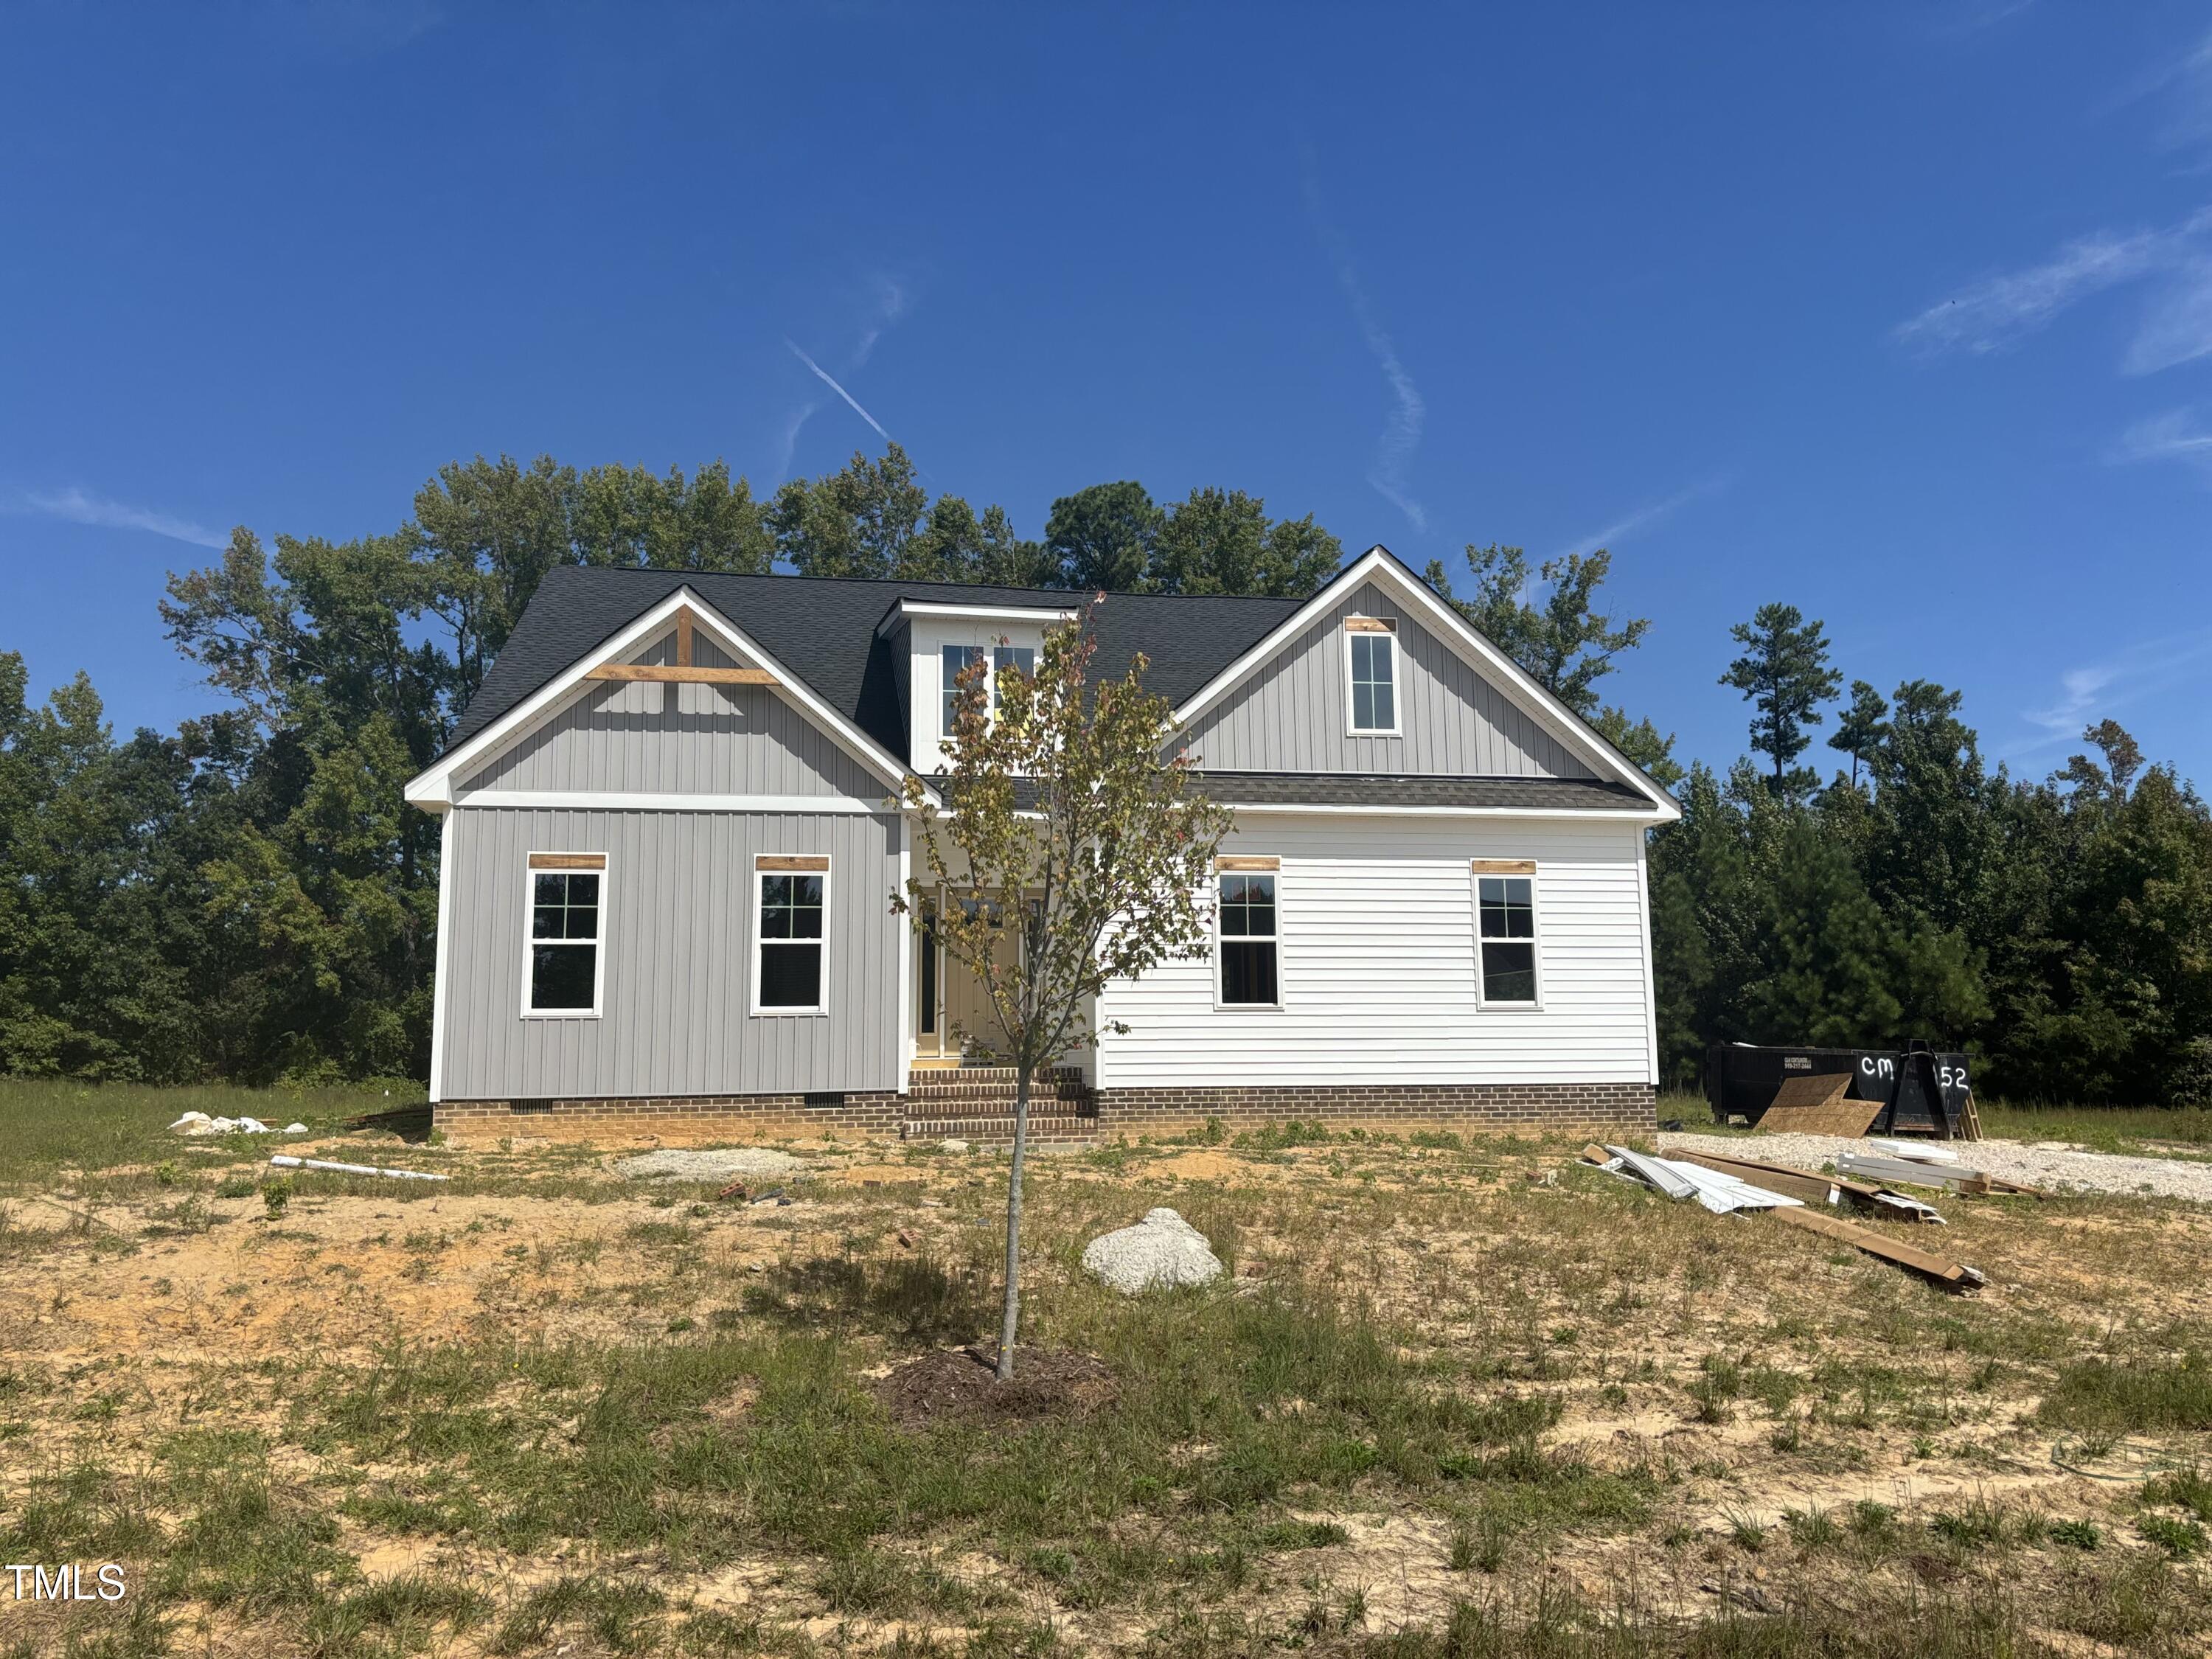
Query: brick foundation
[[1130, 1114], [673, 1120], [1384, 1107]]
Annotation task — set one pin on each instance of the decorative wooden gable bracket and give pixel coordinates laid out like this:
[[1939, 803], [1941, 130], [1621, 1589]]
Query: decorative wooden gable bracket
[[682, 671]]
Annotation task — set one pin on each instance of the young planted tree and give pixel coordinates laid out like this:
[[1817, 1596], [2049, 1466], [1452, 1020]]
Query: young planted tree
[[1067, 823], [1784, 672]]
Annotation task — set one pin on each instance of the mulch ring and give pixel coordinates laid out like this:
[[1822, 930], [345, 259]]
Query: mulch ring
[[961, 1385]]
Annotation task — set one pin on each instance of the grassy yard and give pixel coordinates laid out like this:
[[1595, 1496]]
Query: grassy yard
[[1454, 1399]]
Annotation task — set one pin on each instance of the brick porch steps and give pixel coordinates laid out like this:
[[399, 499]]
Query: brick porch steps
[[975, 1103], [1058, 1132]]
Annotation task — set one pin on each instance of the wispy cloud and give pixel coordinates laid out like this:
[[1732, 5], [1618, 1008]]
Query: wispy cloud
[[2176, 435], [80, 506], [2094, 690], [830, 380], [886, 306], [1402, 430], [1646, 516], [1993, 314]]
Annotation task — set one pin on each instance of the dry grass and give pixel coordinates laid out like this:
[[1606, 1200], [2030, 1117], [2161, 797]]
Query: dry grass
[[1455, 1399]]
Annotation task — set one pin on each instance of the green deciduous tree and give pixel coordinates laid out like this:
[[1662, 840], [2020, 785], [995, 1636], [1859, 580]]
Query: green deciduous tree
[[1565, 642], [1222, 541], [1066, 826], [1784, 670]]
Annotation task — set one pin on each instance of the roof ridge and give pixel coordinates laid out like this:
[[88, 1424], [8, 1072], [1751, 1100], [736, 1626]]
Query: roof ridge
[[908, 581]]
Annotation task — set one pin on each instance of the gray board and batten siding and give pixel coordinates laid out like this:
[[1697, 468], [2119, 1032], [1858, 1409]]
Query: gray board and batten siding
[[1292, 716], [645, 737], [678, 921]]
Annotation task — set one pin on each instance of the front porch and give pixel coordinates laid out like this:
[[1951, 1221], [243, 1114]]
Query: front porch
[[975, 1103]]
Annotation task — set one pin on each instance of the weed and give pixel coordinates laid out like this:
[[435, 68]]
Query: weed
[[2079, 1534], [2178, 1539]]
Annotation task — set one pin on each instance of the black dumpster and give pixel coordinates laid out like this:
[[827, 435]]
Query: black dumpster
[[1920, 1092]]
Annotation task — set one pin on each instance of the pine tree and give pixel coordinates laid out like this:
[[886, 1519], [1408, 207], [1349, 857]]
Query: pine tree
[[1784, 670]]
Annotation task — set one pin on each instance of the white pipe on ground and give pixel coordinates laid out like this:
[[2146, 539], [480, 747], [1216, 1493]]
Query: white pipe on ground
[[286, 1161]]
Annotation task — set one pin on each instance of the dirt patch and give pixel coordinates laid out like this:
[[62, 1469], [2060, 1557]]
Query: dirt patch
[[961, 1385]]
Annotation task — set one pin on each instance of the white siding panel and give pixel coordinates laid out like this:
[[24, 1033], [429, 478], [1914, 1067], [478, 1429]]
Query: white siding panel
[[1377, 920]]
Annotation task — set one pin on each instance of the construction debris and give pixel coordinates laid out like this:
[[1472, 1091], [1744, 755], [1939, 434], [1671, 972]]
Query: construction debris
[[1818, 1106], [199, 1123], [285, 1161], [1813, 1187], [1724, 1192], [1941, 1271], [1719, 1192]]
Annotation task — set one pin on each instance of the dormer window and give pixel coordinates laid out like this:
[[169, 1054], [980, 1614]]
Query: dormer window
[[955, 659], [1372, 661]]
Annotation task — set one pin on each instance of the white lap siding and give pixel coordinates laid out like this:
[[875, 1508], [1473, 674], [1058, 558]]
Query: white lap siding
[[1375, 927]]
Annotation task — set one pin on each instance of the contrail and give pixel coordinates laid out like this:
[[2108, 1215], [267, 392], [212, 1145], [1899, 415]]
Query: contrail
[[830, 381]]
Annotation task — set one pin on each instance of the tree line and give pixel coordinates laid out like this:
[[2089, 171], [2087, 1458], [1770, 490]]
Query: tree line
[[246, 897]]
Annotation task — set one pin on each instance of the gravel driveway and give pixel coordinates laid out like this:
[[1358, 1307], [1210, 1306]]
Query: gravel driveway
[[2057, 1171]]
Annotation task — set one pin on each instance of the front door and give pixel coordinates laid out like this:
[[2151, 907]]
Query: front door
[[967, 1011]]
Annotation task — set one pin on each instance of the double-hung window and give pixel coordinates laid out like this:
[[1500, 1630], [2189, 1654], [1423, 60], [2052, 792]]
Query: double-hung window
[[790, 965], [955, 659], [1372, 655], [566, 905], [1505, 911], [1247, 943]]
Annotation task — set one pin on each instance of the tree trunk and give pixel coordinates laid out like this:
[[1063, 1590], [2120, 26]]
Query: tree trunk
[[1014, 1224]]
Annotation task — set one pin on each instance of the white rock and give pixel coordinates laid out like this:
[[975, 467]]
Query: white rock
[[952, 1145], [191, 1121], [679, 1163], [296, 1129], [1161, 1250]]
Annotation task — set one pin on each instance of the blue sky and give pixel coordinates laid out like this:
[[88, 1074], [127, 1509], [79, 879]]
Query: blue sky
[[1902, 313]]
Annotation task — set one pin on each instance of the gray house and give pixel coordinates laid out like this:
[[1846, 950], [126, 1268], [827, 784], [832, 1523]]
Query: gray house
[[671, 838]]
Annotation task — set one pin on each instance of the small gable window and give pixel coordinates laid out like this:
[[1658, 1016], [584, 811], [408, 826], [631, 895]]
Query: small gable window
[[1372, 653]]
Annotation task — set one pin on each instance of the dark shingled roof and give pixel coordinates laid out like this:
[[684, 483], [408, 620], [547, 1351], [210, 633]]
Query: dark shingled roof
[[823, 630], [1385, 789]]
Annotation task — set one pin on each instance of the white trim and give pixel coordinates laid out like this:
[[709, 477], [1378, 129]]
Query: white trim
[[1547, 711], [1275, 876], [986, 612], [912, 940], [598, 940], [1650, 967], [822, 987], [610, 801], [434, 787], [1561, 814], [1395, 729], [443, 954], [1482, 999]]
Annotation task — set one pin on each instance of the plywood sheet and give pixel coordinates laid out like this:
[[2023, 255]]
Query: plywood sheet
[[1816, 1106]]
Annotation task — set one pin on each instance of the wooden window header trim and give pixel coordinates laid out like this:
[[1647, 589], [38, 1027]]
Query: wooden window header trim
[[791, 862], [568, 861], [1247, 864], [1504, 867], [1369, 625]]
